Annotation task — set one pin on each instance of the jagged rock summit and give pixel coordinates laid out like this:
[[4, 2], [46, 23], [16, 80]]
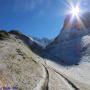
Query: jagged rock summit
[[74, 27], [73, 40]]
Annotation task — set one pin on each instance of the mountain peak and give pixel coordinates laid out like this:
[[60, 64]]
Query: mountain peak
[[74, 27], [71, 22], [72, 41], [78, 22]]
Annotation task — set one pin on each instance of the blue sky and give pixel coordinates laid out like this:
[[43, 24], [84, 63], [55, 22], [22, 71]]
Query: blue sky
[[38, 18]]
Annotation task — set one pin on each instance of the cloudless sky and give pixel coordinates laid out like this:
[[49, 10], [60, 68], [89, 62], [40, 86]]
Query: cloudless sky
[[37, 18]]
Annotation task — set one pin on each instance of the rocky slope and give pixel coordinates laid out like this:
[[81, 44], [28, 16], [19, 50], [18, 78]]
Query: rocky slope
[[17, 66], [21, 68], [63, 65]]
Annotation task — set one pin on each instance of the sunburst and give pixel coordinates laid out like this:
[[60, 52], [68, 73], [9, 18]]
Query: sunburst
[[75, 11]]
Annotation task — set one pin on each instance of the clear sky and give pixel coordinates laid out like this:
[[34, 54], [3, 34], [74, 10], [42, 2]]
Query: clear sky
[[38, 18]]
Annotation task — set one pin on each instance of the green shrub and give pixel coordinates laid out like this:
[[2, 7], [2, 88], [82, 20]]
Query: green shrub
[[16, 32], [4, 34]]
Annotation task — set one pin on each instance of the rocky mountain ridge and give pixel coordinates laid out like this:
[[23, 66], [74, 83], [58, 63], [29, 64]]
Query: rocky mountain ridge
[[74, 27], [69, 45]]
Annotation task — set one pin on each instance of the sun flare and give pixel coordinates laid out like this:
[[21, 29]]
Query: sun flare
[[75, 11]]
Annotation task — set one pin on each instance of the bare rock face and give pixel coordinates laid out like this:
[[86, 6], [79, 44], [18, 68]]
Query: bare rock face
[[74, 27], [68, 46], [86, 19]]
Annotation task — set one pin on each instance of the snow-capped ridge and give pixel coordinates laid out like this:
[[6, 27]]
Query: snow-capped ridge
[[42, 42]]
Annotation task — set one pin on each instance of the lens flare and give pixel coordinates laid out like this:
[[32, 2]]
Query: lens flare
[[75, 11]]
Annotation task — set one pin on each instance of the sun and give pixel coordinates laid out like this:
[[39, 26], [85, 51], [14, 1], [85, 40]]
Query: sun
[[75, 11]]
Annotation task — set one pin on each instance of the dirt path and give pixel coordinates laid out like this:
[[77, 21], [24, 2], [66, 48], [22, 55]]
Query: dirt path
[[71, 84], [54, 80], [43, 84]]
